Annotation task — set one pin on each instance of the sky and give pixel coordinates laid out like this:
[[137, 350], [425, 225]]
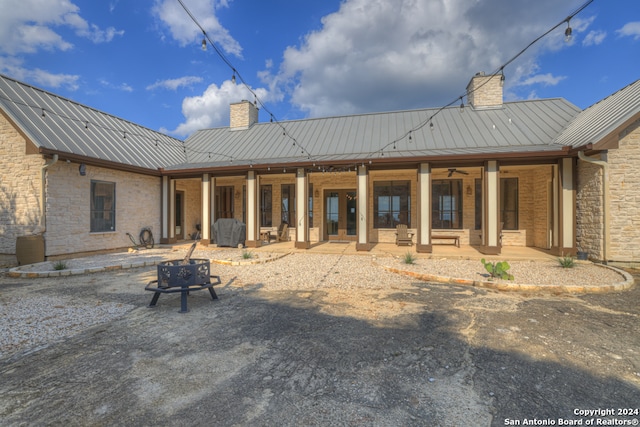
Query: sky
[[142, 60]]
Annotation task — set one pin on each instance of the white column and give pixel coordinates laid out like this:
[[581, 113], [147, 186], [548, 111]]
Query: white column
[[424, 208], [302, 209], [205, 222], [568, 203], [253, 228], [164, 232], [172, 210], [363, 190], [491, 219]]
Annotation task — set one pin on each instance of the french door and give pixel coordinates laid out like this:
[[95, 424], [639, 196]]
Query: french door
[[340, 214]]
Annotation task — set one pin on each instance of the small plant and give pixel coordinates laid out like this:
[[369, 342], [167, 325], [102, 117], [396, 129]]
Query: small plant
[[60, 265], [497, 270], [567, 261], [247, 254], [409, 258]]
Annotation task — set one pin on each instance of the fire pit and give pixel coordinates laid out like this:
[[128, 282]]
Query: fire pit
[[183, 276]]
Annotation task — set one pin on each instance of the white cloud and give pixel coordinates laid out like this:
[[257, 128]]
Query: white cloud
[[174, 84], [185, 31], [124, 87], [371, 55], [211, 109], [543, 79], [594, 38], [631, 29], [26, 26], [15, 68]]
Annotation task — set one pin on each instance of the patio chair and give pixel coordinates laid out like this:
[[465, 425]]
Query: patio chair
[[283, 232], [403, 236]]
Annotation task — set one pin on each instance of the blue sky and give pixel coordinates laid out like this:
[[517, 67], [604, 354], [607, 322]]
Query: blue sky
[[142, 59]]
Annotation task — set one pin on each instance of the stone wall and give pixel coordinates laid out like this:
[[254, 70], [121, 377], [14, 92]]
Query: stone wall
[[69, 203], [589, 202], [624, 191], [20, 191]]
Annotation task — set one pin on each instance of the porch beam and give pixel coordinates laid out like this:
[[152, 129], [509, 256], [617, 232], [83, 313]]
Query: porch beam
[[302, 209], [424, 209]]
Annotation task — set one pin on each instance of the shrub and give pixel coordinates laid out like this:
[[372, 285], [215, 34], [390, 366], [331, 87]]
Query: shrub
[[567, 261], [409, 258], [247, 254], [497, 270], [60, 265]]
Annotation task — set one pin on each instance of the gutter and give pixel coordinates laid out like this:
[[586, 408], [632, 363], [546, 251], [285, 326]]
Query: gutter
[[43, 208], [605, 199]]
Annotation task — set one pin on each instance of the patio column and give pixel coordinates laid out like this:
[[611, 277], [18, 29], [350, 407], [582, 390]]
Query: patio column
[[205, 222], [424, 209], [566, 207], [362, 244], [491, 229], [253, 226], [302, 209]]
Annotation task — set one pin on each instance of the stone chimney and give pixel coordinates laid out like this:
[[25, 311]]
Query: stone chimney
[[485, 91], [243, 115]]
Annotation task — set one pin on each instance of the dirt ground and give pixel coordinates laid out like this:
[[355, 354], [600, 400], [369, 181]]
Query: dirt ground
[[401, 354]]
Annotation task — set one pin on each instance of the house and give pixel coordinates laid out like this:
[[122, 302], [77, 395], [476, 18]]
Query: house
[[492, 174]]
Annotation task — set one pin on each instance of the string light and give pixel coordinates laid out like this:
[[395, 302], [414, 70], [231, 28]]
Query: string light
[[568, 37], [567, 32]]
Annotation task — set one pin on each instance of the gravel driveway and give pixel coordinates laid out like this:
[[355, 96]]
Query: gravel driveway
[[313, 340]]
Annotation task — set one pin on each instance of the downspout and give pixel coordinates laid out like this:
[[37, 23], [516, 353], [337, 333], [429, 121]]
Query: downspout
[[605, 198], [43, 222]]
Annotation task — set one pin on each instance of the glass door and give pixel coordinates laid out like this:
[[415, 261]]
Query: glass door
[[340, 214]]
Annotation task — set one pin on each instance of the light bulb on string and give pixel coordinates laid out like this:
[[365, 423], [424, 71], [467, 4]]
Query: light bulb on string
[[204, 44], [567, 33]]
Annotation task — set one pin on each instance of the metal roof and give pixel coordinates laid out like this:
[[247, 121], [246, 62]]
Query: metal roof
[[59, 124], [602, 118], [523, 126]]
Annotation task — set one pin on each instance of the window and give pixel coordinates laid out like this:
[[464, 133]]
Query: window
[[478, 203], [310, 205], [391, 203], [224, 202], [509, 203], [103, 206], [265, 206], [446, 207], [288, 199]]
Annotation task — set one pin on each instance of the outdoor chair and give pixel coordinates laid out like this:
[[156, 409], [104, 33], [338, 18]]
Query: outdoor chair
[[283, 232], [403, 236]]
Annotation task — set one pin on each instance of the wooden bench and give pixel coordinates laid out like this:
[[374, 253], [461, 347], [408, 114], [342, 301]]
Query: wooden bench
[[456, 239]]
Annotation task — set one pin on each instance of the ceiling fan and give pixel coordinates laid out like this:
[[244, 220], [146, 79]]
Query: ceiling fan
[[454, 170]]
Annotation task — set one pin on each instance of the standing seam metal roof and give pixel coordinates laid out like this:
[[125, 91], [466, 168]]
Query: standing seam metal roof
[[70, 127], [600, 119], [515, 127]]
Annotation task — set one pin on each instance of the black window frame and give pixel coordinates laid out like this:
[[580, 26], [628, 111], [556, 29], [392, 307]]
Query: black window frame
[[266, 205], [102, 210], [509, 192], [288, 203], [393, 191], [447, 207]]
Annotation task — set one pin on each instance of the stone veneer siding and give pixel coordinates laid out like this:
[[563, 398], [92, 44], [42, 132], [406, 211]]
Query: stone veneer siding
[[624, 196], [68, 209], [20, 191], [589, 213]]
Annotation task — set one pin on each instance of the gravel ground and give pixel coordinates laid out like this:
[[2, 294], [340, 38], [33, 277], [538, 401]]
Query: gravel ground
[[33, 321]]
